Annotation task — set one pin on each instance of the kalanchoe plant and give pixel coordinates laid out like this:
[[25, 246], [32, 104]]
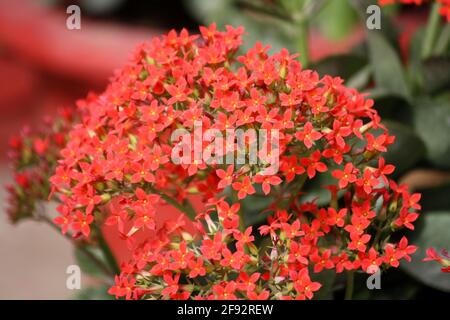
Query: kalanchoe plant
[[116, 168]]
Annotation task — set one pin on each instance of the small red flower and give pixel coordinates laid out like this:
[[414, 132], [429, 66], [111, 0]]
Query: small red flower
[[267, 181], [345, 176], [406, 218], [392, 255], [244, 188], [313, 164], [358, 242], [82, 223], [336, 218], [322, 261], [197, 268], [308, 135], [303, 284], [226, 177], [406, 249], [171, 284], [247, 282]]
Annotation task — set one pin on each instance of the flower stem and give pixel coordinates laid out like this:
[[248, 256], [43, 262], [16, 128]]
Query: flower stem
[[350, 285], [82, 248], [297, 188], [302, 42], [106, 250], [188, 210], [431, 31]]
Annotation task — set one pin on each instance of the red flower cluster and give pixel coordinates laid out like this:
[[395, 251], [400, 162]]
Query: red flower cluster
[[115, 169], [444, 9], [34, 154]]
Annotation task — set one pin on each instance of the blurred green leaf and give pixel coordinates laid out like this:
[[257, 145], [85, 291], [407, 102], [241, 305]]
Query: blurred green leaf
[[407, 150], [87, 265], [434, 233], [392, 107], [315, 189], [360, 79], [343, 66], [436, 74], [252, 206], [94, 293], [435, 198], [432, 124], [442, 46], [415, 60], [387, 67], [337, 19], [326, 278]]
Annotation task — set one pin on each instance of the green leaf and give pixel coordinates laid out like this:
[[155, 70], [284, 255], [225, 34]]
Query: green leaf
[[434, 233], [344, 66], [442, 46], [432, 124], [360, 79], [94, 293], [415, 60], [435, 198], [315, 189], [392, 107], [326, 278], [252, 206], [436, 74], [337, 19], [407, 150], [387, 67], [87, 265]]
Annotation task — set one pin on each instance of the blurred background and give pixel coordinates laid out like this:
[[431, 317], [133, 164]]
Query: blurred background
[[43, 66]]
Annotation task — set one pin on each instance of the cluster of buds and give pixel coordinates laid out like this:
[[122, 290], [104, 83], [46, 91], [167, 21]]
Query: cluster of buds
[[117, 168]]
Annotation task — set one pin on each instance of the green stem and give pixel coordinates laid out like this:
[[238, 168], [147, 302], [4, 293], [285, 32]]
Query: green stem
[[188, 210], [82, 248], [106, 250], [431, 31], [96, 261], [297, 188], [302, 43], [350, 285]]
